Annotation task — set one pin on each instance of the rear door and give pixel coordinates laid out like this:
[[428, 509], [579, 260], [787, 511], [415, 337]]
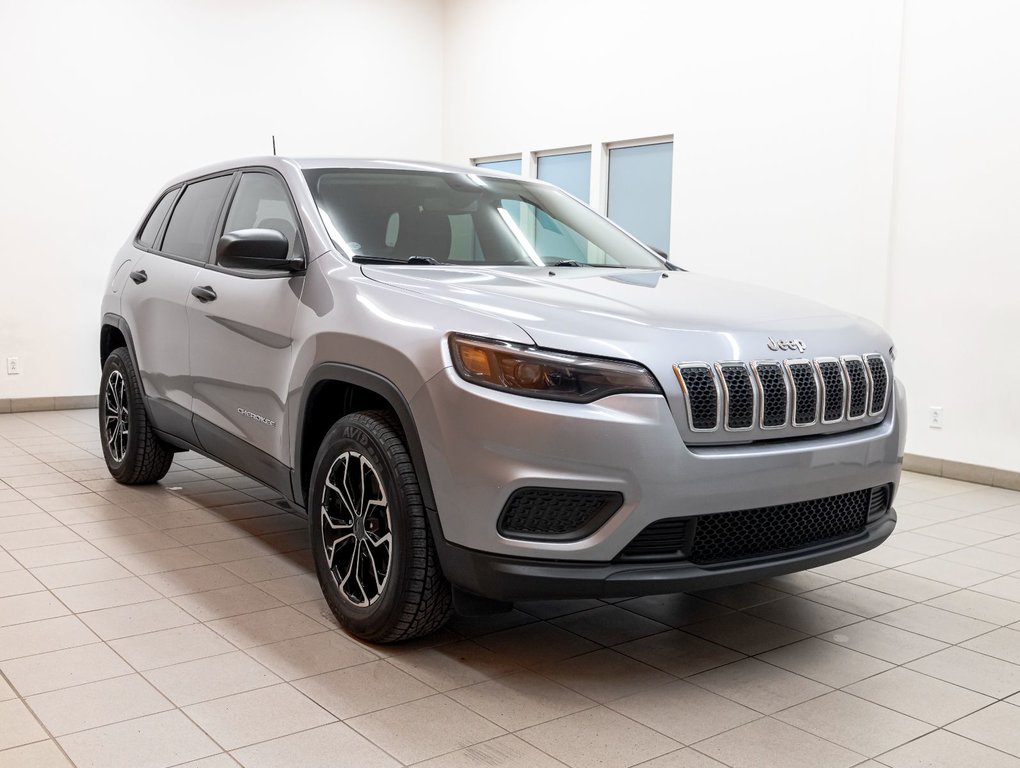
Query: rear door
[[156, 297], [241, 345]]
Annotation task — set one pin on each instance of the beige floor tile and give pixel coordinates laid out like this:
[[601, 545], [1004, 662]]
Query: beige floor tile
[[843, 570], [311, 655], [85, 572], [949, 572], [916, 541], [272, 566], [254, 716], [38, 537], [854, 598], [599, 737], [676, 610], [683, 758], [453, 665], [18, 725], [745, 633], [57, 554], [979, 606], [6, 692], [95, 704], [889, 556], [136, 619], [605, 675], [222, 760], [170, 646], [41, 754], [741, 596], [42, 636], [760, 686], [609, 625], [919, 696], [1002, 644], [884, 641], [361, 689], [1005, 587], [925, 619], [135, 543], [769, 743], [156, 741], [854, 723], [984, 674], [997, 726], [678, 653], [554, 609], [941, 749], [106, 594], [236, 549], [904, 585], [51, 491], [325, 747], [804, 615], [504, 751], [797, 583], [161, 560], [33, 606], [105, 529], [532, 645], [61, 669], [195, 681], [825, 662], [293, 589], [684, 712], [264, 627], [520, 700], [226, 602]]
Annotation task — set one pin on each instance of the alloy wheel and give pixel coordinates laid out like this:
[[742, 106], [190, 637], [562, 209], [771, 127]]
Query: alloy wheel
[[356, 531], [117, 416]]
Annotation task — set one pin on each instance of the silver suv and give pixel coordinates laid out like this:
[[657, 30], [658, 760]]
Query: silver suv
[[482, 391]]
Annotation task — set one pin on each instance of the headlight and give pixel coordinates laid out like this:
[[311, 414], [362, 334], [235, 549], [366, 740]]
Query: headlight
[[541, 373]]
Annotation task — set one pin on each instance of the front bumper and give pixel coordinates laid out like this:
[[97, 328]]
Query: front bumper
[[513, 578]]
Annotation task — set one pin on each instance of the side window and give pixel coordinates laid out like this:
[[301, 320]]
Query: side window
[[261, 202], [189, 233], [156, 216]]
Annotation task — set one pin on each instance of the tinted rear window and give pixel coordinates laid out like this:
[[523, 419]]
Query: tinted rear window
[[155, 220], [189, 233]]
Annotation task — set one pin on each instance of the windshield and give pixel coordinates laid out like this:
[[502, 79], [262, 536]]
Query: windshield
[[466, 219]]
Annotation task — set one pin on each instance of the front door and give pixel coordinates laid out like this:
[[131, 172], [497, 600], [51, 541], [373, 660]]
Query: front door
[[240, 323]]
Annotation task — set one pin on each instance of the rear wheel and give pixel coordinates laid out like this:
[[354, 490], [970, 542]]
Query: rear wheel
[[373, 550], [134, 454]]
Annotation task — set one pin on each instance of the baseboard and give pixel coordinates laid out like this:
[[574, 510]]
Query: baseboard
[[957, 470], [25, 404]]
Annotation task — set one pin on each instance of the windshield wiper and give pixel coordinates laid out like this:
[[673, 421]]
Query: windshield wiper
[[364, 258], [575, 263]]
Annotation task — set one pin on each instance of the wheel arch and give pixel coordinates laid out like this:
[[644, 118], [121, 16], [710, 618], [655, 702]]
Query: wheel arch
[[331, 391]]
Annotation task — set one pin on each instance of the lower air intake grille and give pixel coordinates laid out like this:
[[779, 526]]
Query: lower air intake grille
[[556, 513], [749, 533]]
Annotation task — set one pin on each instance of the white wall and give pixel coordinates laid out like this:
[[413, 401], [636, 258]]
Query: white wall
[[102, 102], [955, 278]]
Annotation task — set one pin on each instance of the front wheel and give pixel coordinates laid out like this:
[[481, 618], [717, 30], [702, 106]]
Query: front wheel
[[373, 550], [134, 453]]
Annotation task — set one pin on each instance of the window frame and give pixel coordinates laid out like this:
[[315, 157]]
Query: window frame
[[176, 190], [580, 149], [608, 147]]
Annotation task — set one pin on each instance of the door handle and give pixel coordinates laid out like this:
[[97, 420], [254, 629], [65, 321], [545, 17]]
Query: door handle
[[204, 293], [139, 276]]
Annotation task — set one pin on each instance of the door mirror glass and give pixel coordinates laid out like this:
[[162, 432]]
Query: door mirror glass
[[255, 249]]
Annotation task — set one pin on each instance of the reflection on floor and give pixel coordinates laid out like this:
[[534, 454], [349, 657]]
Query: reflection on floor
[[176, 623]]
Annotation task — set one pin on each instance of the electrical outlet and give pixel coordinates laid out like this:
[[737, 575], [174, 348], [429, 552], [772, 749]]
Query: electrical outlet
[[13, 366], [935, 417]]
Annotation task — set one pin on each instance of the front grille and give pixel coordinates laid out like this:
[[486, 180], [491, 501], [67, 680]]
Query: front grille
[[556, 513], [749, 533], [739, 395], [701, 394], [770, 394]]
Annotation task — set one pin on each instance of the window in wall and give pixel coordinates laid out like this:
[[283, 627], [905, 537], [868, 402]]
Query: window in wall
[[570, 172], [261, 202], [189, 233], [155, 220], [640, 191], [507, 166]]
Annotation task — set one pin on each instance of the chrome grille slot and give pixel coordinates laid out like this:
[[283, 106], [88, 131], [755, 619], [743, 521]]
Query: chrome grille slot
[[738, 396], [857, 399], [701, 392], [805, 392], [774, 395], [879, 383], [833, 389]]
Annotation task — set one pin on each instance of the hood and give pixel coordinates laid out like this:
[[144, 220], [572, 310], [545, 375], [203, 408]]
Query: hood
[[620, 313]]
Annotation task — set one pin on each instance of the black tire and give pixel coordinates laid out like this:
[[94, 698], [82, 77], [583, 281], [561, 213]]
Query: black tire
[[135, 455], [414, 597]]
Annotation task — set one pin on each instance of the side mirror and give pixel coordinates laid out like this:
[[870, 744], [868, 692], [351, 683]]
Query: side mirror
[[255, 249]]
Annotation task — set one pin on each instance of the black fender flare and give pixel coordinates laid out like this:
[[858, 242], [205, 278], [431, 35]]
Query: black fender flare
[[380, 385]]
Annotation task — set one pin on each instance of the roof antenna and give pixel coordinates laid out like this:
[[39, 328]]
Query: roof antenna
[[274, 145]]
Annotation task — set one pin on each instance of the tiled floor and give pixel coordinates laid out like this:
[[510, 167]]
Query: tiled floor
[[182, 625]]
